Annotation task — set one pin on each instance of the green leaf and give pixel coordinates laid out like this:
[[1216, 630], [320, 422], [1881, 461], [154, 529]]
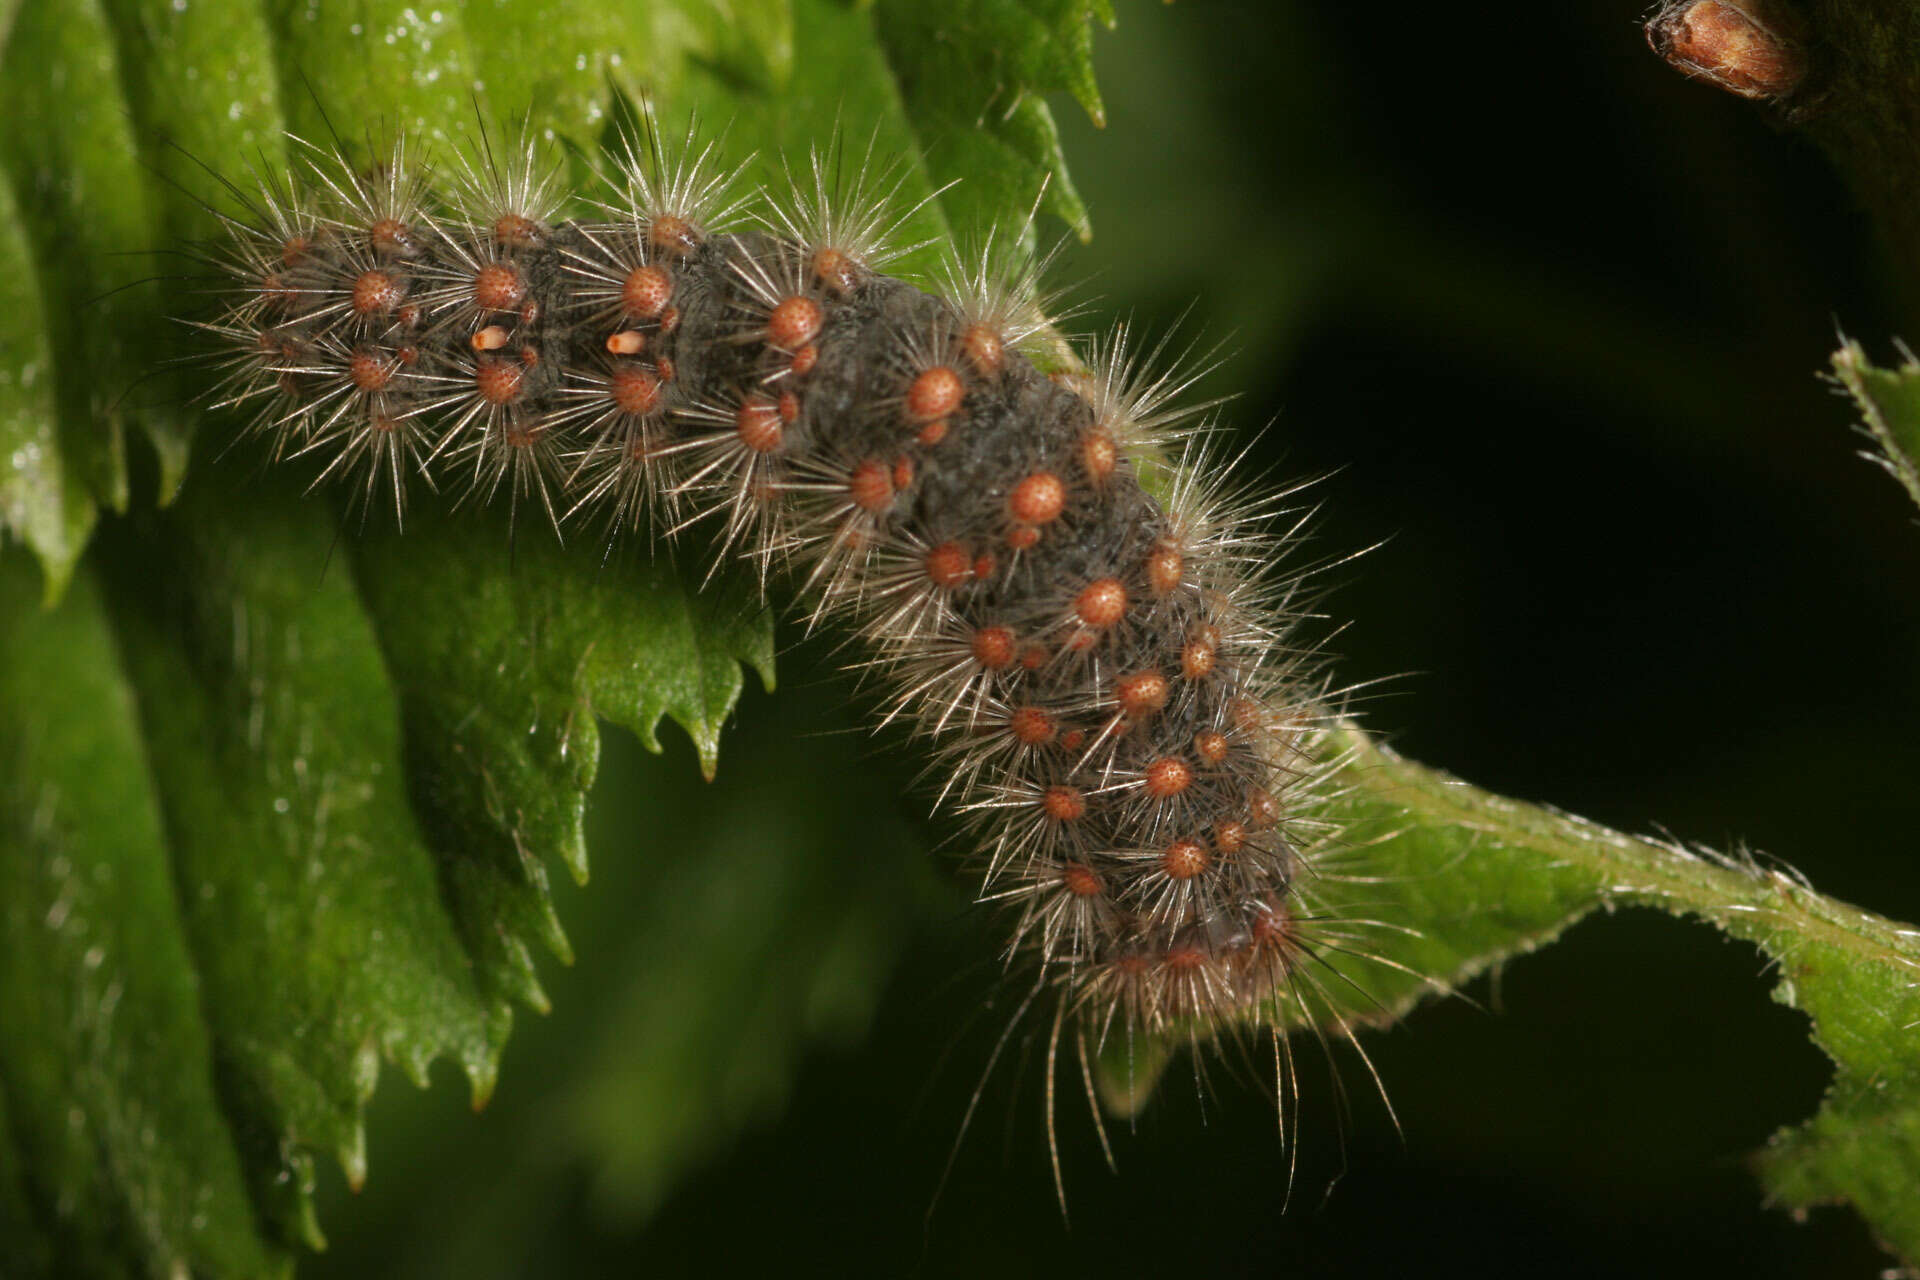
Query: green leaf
[[114, 1150], [504, 660], [1470, 880], [1889, 404], [730, 931], [199, 81], [972, 74], [313, 775], [784, 935], [310, 902], [41, 501], [83, 216]]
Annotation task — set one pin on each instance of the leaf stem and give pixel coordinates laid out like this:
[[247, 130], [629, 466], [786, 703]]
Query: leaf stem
[[1738, 892]]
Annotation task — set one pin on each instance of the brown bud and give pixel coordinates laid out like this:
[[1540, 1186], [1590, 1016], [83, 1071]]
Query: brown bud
[[1754, 48]]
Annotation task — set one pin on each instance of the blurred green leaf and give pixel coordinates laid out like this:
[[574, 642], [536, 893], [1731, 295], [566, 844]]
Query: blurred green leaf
[[732, 928], [41, 501], [772, 932], [115, 1156], [83, 212]]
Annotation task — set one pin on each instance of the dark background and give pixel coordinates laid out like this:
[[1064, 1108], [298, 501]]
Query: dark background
[[1554, 318]]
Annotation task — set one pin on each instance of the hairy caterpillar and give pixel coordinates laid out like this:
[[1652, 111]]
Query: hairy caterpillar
[[1056, 586]]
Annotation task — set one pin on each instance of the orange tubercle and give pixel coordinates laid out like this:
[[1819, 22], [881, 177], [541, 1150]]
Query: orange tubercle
[[375, 291], [1032, 726], [934, 394], [794, 323], [993, 647], [1140, 693], [1064, 804], [634, 391], [1167, 777], [1039, 498], [758, 424], [1185, 858], [498, 287], [369, 371], [949, 565], [984, 348], [1263, 811], [673, 235], [1210, 746], [1102, 603], [391, 238], [1080, 880], [1196, 660], [870, 486], [499, 381], [517, 231], [1165, 568], [1099, 455], [836, 270], [645, 292]]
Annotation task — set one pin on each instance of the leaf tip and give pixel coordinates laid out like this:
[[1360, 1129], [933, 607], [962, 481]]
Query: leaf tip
[[366, 1069], [306, 1226], [416, 1062], [353, 1157], [481, 1061], [1087, 93], [555, 937], [482, 1078], [574, 853]]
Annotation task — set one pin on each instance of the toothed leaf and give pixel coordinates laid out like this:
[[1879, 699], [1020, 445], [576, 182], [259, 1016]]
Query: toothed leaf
[[762, 879], [82, 216], [42, 503], [328, 768], [1889, 405], [504, 662], [310, 903], [973, 75]]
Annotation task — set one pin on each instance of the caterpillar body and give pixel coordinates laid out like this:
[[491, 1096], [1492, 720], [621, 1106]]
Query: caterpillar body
[[1054, 583]]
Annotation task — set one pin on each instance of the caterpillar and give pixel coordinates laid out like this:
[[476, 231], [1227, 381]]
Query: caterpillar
[[1050, 575]]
